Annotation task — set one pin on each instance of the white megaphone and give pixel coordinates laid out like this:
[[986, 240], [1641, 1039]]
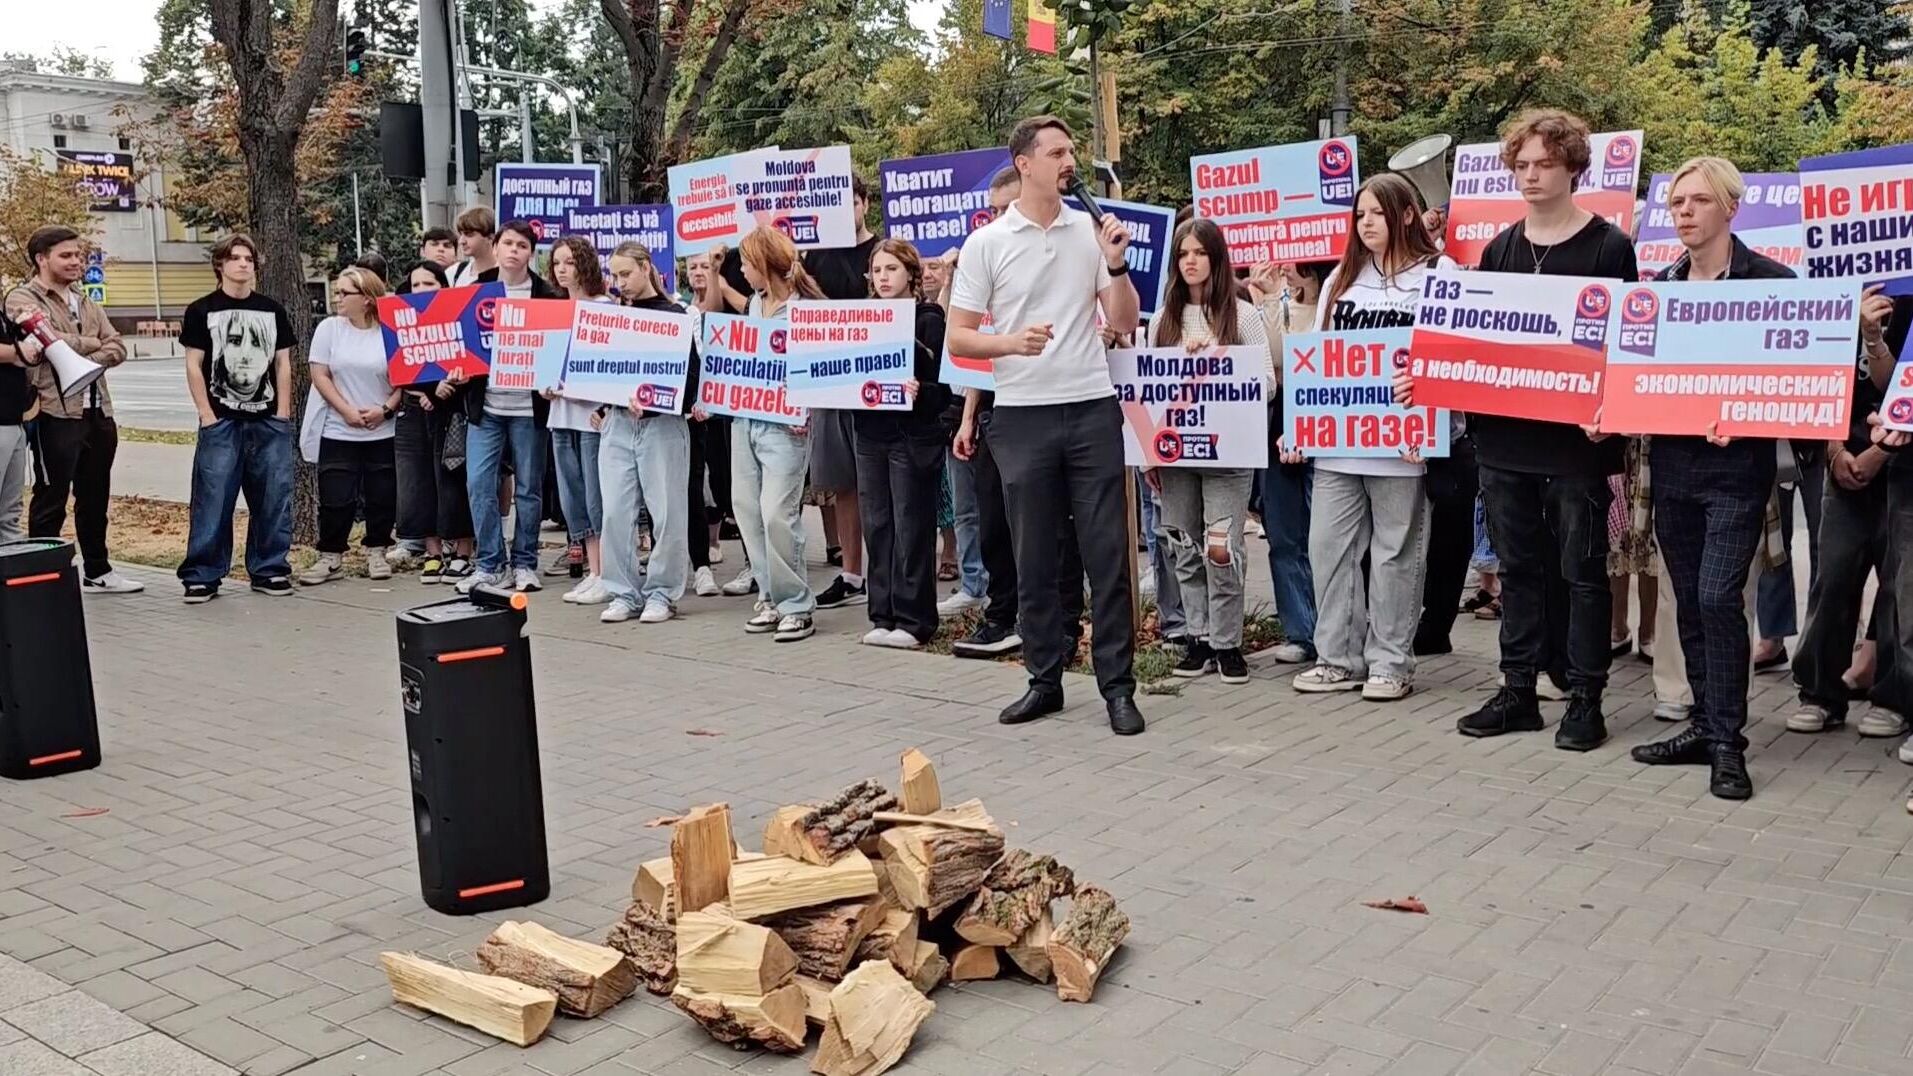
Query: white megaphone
[[72, 371]]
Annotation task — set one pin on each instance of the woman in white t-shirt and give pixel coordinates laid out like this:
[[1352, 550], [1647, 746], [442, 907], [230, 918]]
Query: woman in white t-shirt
[[1373, 508], [574, 270], [1203, 508], [356, 466]]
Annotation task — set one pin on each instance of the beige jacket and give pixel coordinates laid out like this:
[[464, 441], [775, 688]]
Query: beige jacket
[[92, 323]]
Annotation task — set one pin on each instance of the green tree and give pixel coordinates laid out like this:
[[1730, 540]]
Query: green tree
[[59, 60], [34, 195], [1858, 34]]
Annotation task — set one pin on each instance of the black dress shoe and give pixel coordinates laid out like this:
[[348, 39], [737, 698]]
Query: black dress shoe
[[1583, 729], [1124, 718], [1730, 780], [1688, 747], [1036, 702]]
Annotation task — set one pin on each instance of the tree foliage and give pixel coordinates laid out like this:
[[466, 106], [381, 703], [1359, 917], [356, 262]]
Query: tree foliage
[[33, 195], [59, 60]]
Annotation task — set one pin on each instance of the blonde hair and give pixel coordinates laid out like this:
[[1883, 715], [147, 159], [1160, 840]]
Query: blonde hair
[[776, 258], [1718, 174], [370, 284]]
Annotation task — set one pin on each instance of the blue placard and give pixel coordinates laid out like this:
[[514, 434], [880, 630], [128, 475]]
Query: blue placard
[[934, 202], [541, 194], [606, 226], [1151, 228]]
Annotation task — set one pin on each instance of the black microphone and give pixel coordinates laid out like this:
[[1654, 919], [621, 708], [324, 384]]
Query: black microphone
[[1080, 190]]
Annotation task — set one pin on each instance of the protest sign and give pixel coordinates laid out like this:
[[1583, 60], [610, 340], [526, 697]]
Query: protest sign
[[744, 371], [1740, 358], [1896, 411], [606, 226], [1339, 398], [1151, 229], [706, 209], [1512, 344], [1857, 209], [1768, 222], [624, 354], [430, 334], [534, 336], [963, 372], [1486, 199], [1183, 410], [1279, 203], [936, 201], [804, 193], [541, 194], [854, 355]]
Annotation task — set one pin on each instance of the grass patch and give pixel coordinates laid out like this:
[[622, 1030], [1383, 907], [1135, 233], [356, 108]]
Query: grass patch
[[143, 530], [159, 437], [1155, 656]]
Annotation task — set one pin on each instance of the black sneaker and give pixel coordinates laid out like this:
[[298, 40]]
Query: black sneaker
[[1729, 779], [1230, 663], [834, 556], [276, 587], [1197, 660], [456, 569], [988, 641], [1511, 710], [1583, 728], [200, 593], [432, 571], [839, 594]]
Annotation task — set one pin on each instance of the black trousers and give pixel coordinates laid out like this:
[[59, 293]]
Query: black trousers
[[999, 553], [356, 476], [74, 456], [1062, 467], [1550, 532], [432, 500], [717, 463], [897, 494], [1893, 689], [1853, 542], [1710, 506], [1452, 485], [697, 525]]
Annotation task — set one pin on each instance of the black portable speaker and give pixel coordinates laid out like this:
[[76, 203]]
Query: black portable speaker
[[471, 731], [47, 721]]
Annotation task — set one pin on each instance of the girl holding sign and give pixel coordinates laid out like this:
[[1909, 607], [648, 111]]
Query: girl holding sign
[[1369, 507], [574, 438], [769, 460], [899, 465]]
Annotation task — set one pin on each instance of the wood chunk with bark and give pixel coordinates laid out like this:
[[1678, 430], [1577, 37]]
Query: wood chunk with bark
[[765, 887], [651, 943], [1080, 948], [894, 938], [784, 834], [874, 1013], [1031, 951], [774, 1021], [702, 850], [826, 937], [500, 1007], [1017, 890], [835, 828], [655, 886], [921, 793], [933, 867], [587, 978], [720, 955], [974, 962], [929, 967]]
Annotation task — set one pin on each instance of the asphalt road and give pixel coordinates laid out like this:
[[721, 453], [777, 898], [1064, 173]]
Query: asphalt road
[[150, 394]]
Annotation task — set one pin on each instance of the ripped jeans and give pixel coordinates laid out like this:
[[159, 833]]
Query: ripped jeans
[[1202, 512]]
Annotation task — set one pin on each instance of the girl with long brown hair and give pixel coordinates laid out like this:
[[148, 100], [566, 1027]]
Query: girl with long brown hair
[[575, 271]]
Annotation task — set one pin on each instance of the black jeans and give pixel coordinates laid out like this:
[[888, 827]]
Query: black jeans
[[432, 500], [355, 475], [697, 525], [897, 493], [999, 554], [1062, 467], [1550, 532], [74, 456], [1710, 507], [1893, 689], [1853, 542], [1452, 485]]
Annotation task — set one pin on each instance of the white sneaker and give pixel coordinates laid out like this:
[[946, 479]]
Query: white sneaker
[[617, 612], [717, 554], [742, 585], [1906, 751], [1677, 711], [525, 579], [962, 601], [794, 627], [111, 583], [764, 618], [328, 567], [377, 565], [657, 611], [899, 639], [1811, 718], [1291, 654], [582, 587], [704, 584], [1878, 722], [1545, 690], [876, 637], [1326, 678], [598, 593], [489, 580], [1386, 689]]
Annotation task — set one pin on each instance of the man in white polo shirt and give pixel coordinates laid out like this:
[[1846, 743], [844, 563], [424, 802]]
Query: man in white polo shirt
[[1039, 271]]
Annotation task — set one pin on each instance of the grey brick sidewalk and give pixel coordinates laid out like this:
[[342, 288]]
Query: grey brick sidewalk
[[1588, 915]]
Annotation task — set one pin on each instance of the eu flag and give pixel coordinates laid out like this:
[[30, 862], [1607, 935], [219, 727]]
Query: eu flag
[[996, 19]]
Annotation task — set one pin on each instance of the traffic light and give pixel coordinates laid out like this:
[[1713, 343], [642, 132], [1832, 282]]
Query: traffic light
[[356, 40]]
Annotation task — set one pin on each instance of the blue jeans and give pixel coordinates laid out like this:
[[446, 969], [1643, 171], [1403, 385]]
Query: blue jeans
[[642, 463], [969, 531], [486, 443], [232, 455], [1774, 597], [1169, 616], [768, 465], [1483, 559], [1286, 492], [576, 452]]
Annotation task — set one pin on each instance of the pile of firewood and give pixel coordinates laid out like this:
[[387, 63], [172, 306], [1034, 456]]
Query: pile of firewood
[[856, 909]]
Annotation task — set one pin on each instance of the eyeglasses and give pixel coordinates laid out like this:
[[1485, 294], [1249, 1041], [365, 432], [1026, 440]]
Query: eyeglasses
[[342, 293]]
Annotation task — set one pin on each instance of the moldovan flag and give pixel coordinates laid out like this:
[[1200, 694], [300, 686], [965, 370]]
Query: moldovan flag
[[1042, 32]]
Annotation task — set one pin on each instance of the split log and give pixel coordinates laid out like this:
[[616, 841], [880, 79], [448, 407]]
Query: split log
[[929, 967], [874, 1013], [655, 887], [932, 867], [651, 943], [1015, 892], [825, 938], [893, 939], [974, 962], [765, 887], [835, 828], [921, 793], [719, 955], [816, 998], [1031, 951], [501, 1007], [774, 1021], [784, 834], [701, 853], [1080, 948], [587, 978]]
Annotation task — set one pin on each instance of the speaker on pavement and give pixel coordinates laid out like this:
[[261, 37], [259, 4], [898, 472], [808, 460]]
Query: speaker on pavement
[[47, 721], [472, 734]]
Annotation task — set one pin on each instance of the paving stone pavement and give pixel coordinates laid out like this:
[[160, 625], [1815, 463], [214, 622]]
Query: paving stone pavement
[[1588, 915]]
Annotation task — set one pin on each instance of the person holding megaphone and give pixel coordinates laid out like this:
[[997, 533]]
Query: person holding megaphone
[[76, 439]]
